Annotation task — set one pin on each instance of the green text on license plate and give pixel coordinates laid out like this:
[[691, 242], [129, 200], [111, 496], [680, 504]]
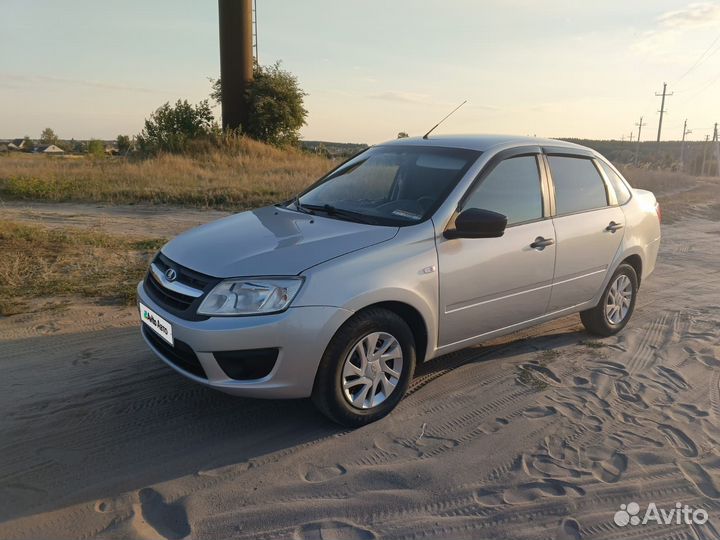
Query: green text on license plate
[[158, 325]]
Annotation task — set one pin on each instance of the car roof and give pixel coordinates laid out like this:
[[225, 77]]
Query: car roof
[[482, 142]]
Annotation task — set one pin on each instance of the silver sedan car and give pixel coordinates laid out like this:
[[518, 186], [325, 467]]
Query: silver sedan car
[[409, 250]]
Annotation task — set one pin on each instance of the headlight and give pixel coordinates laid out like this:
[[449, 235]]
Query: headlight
[[250, 296]]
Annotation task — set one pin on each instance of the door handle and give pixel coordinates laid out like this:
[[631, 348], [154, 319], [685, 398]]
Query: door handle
[[541, 243], [612, 226]]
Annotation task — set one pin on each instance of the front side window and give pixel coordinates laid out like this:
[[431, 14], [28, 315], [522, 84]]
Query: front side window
[[578, 184], [512, 188], [389, 185], [621, 190]]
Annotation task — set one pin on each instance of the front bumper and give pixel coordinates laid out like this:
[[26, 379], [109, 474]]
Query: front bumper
[[300, 334]]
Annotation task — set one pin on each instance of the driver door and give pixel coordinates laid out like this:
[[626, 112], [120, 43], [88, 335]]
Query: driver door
[[488, 284]]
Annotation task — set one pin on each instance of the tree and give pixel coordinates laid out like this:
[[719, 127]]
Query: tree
[[123, 144], [48, 136], [28, 144], [78, 147], [275, 103], [95, 148], [172, 127]]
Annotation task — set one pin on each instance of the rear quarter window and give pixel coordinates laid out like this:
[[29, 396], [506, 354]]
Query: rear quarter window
[[621, 190], [578, 184]]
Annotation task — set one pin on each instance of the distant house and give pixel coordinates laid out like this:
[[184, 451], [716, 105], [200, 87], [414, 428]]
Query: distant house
[[17, 144], [48, 149], [111, 150]]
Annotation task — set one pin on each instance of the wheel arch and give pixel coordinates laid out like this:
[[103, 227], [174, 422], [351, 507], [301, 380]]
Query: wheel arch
[[414, 320], [635, 261]]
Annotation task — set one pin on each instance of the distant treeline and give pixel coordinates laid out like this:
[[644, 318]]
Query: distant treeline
[[332, 149], [663, 155]]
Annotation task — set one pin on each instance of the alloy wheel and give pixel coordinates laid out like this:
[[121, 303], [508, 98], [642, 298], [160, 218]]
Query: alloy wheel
[[619, 298], [372, 370]]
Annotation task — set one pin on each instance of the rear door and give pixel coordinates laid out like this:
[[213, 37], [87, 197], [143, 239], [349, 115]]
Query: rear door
[[491, 283], [589, 228]]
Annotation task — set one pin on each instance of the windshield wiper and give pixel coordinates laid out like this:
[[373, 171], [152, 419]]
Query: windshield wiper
[[349, 215], [299, 206]]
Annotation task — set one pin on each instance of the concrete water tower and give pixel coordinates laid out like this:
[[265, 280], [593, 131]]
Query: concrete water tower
[[236, 59]]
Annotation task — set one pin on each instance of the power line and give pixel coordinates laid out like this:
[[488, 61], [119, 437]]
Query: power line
[[700, 60], [707, 84], [662, 110]]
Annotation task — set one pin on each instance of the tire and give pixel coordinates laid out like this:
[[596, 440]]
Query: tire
[[342, 363], [607, 318]]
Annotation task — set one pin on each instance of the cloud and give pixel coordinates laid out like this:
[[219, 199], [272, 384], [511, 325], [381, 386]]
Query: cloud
[[673, 26], [10, 80], [693, 16], [402, 97]]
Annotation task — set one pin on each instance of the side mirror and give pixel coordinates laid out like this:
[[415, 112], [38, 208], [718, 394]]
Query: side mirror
[[477, 223]]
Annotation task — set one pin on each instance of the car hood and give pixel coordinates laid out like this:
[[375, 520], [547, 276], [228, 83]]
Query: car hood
[[270, 241]]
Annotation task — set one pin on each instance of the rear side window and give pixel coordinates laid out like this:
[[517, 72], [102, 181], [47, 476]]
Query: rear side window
[[578, 184], [621, 190], [512, 188]]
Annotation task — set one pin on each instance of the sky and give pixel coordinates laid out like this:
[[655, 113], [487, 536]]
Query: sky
[[556, 68]]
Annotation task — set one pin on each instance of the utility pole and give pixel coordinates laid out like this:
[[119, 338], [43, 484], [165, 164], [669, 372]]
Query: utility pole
[[662, 108], [702, 170], [717, 150], [686, 131], [631, 136], [637, 148]]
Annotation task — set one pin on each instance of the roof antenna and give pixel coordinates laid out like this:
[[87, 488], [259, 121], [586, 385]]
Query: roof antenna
[[441, 121]]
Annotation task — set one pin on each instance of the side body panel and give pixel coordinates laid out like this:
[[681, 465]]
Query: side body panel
[[403, 269], [491, 283], [585, 251]]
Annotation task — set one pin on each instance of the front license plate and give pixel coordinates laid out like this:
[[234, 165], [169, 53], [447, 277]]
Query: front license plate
[[158, 325]]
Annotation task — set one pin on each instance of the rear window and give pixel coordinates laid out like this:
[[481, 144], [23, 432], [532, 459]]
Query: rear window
[[578, 184], [621, 190]]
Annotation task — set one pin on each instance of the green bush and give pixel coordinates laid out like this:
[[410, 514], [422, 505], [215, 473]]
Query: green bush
[[172, 128], [275, 102]]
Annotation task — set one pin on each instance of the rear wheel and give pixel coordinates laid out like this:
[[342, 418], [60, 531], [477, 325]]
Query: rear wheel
[[616, 304], [366, 368]]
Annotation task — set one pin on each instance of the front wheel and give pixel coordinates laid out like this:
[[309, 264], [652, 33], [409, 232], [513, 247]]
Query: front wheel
[[366, 368], [616, 304]]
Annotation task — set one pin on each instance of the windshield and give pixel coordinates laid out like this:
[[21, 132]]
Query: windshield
[[390, 185]]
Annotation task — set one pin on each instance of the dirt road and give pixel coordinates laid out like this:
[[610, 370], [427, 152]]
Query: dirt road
[[540, 435], [142, 220]]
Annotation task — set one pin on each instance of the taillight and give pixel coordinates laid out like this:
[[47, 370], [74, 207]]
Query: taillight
[[658, 211]]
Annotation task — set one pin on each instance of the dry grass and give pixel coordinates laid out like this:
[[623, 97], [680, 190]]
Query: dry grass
[[680, 195], [659, 181], [248, 174], [39, 262]]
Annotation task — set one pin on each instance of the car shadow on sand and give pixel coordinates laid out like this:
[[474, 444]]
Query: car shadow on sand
[[94, 415]]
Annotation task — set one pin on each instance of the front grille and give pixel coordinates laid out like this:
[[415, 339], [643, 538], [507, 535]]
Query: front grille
[[186, 276], [181, 354], [167, 297], [177, 303]]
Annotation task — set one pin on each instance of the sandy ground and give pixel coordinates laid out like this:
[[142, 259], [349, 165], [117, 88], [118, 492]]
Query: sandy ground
[[542, 434]]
